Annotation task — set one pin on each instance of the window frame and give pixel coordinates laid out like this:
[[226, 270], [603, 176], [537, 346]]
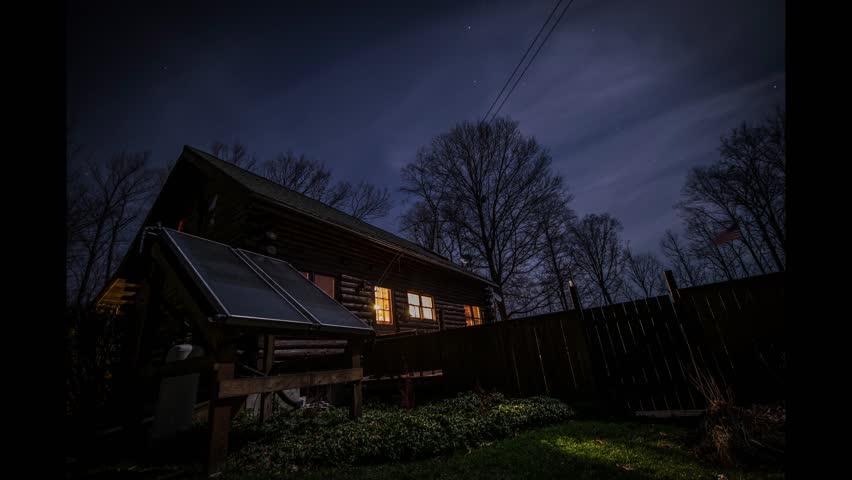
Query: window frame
[[390, 305], [472, 315], [420, 306]]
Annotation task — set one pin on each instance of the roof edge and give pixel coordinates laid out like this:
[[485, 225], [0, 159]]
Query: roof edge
[[197, 154]]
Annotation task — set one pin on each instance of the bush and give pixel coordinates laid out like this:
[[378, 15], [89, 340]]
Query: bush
[[734, 436], [293, 441], [738, 436]]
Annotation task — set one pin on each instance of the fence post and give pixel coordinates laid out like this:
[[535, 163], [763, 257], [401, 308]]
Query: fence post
[[672, 286], [575, 297]]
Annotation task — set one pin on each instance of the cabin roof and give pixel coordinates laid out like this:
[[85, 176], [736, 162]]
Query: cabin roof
[[288, 198]]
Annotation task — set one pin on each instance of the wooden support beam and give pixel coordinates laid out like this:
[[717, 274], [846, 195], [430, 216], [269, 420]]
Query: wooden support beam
[[355, 349], [236, 387], [219, 418], [268, 361]]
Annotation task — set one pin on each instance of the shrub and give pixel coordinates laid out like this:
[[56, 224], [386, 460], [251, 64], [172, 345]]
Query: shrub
[[738, 436], [385, 434]]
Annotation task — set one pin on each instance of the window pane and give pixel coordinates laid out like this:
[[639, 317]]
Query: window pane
[[476, 315], [414, 311], [382, 305], [413, 299], [427, 313], [427, 301]]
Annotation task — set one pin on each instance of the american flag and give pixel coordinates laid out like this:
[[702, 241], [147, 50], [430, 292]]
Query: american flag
[[729, 234]]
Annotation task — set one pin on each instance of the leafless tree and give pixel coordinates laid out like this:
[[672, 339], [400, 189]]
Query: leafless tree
[[557, 221], [313, 179], [306, 176], [708, 194], [105, 204], [746, 188], [685, 266], [753, 160], [236, 153], [644, 273], [596, 248], [367, 202], [424, 222], [487, 181]]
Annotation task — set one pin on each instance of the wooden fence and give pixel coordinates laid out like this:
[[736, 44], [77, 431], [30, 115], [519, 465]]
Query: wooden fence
[[637, 355]]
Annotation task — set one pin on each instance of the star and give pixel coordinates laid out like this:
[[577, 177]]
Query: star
[[467, 28], [774, 86]]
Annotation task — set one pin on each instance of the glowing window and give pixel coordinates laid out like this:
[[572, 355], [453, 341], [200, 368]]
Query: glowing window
[[421, 306], [383, 306], [472, 316]]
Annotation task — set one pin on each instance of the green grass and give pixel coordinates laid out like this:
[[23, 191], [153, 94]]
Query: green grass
[[576, 449]]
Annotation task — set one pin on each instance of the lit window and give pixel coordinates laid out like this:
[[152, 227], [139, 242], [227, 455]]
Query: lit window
[[421, 306], [383, 306], [472, 315]]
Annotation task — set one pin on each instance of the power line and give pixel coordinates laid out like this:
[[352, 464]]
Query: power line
[[508, 80], [532, 59]]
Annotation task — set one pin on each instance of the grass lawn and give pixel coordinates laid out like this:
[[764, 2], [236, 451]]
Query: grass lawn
[[576, 449]]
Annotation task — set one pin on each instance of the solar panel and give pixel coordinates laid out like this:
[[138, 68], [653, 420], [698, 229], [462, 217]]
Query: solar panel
[[239, 291], [247, 287], [323, 308]]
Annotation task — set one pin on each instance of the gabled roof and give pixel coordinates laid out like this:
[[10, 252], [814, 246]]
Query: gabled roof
[[286, 198]]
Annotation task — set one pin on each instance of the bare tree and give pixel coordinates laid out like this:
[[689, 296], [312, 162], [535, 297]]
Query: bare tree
[[557, 220], [308, 177], [236, 153], [708, 194], [644, 273], [487, 181], [685, 266], [754, 161], [425, 222], [367, 202], [312, 179], [106, 203], [746, 188], [422, 225], [596, 248]]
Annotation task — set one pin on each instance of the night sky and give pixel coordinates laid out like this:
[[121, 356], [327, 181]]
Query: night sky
[[627, 95]]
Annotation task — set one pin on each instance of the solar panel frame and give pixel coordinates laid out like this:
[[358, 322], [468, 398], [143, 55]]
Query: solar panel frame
[[309, 320], [228, 316], [305, 310]]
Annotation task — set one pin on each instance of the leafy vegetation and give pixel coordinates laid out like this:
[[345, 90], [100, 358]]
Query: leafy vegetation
[[577, 449], [387, 434]]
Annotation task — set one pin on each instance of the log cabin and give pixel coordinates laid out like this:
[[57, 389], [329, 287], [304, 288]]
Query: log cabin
[[279, 291], [392, 284]]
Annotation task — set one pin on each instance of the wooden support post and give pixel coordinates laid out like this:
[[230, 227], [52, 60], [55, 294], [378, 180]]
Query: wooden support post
[[219, 418], [575, 297], [355, 350], [672, 286], [268, 361]]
